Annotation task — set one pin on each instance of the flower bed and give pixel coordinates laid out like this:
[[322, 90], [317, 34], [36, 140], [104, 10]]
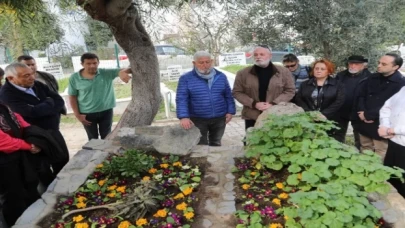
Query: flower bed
[[295, 175], [133, 189]]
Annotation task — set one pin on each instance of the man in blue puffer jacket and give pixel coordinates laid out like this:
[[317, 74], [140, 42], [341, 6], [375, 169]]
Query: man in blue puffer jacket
[[204, 99]]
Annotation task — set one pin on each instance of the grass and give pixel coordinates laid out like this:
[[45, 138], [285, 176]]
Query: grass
[[234, 68], [122, 90], [172, 85], [63, 84]]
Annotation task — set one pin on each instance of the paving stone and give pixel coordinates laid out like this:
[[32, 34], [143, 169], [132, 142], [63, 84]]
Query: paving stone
[[230, 176], [229, 186], [228, 196], [373, 197], [216, 169], [77, 180], [214, 178], [210, 206], [230, 161], [226, 207], [49, 198], [97, 144], [207, 223], [98, 158], [212, 158], [213, 191]]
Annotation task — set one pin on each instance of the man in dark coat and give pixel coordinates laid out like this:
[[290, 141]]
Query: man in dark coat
[[36, 103], [373, 93], [350, 78]]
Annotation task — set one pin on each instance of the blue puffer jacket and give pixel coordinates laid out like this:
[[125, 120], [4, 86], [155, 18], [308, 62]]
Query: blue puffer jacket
[[195, 99]]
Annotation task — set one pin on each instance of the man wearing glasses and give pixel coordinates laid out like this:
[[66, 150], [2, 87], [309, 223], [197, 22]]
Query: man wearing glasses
[[299, 72]]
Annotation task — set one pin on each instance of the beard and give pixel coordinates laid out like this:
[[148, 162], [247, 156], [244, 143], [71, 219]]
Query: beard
[[354, 71], [262, 63], [205, 71]]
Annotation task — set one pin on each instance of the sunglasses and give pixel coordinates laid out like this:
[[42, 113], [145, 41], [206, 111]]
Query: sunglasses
[[290, 66]]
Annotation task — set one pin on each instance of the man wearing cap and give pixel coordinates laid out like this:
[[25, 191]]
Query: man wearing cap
[[351, 77]]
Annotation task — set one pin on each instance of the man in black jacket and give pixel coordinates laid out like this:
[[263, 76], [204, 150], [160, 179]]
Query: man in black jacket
[[36, 103], [373, 93], [350, 78]]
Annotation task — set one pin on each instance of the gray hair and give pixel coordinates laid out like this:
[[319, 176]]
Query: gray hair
[[11, 70], [262, 46], [200, 54]]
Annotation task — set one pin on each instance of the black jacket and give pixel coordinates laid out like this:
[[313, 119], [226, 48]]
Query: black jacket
[[373, 93], [331, 99], [52, 84], [53, 146], [43, 111], [351, 83]]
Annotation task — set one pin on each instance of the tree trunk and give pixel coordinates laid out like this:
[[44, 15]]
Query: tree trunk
[[124, 20]]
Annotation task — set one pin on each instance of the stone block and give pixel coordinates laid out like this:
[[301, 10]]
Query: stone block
[[210, 206], [76, 181], [280, 109], [212, 158], [207, 223], [226, 207], [212, 178], [229, 186], [80, 160], [176, 140], [391, 216], [97, 144], [31, 215]]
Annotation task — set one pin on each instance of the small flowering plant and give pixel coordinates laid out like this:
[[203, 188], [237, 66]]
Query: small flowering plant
[[173, 183]]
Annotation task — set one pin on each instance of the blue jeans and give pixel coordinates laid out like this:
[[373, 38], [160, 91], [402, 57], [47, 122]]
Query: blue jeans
[[101, 123]]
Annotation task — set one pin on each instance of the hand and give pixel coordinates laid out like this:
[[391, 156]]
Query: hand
[[186, 123], [34, 149], [386, 132], [124, 75], [82, 119], [228, 118], [368, 121], [262, 106], [361, 116]]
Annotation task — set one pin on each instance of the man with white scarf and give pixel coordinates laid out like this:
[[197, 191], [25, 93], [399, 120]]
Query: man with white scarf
[[204, 99]]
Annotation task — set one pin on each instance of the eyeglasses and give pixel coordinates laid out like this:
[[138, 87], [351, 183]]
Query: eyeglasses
[[290, 66]]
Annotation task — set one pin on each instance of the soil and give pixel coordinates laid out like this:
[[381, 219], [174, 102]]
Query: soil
[[197, 203]]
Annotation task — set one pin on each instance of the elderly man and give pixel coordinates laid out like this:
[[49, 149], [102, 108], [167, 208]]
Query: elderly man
[[355, 73], [373, 92], [204, 99], [299, 72], [36, 103], [261, 86], [41, 76]]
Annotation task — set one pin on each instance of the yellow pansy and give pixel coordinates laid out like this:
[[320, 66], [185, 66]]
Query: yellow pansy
[[179, 196], [187, 191], [121, 189], [164, 166], [280, 185], [285, 217], [141, 222], [124, 224], [146, 178], [81, 205], [81, 225], [299, 176], [102, 182], [177, 164], [253, 173], [111, 195], [189, 215], [81, 199], [276, 201], [283, 195], [99, 166], [182, 206], [112, 187], [160, 213], [78, 218], [276, 225], [246, 186], [152, 171]]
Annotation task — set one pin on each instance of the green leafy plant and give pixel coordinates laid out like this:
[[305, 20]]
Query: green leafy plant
[[130, 164], [333, 179]]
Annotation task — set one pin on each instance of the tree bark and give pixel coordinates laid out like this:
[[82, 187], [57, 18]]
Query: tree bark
[[124, 20]]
